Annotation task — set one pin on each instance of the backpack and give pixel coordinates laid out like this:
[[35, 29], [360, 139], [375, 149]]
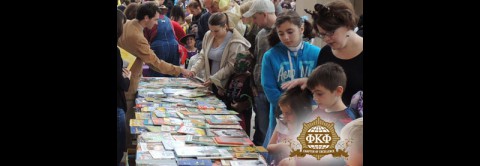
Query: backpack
[[238, 91], [238, 86], [356, 106]]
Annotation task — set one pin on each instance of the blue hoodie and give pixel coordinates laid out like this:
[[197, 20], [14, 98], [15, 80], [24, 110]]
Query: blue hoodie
[[276, 70]]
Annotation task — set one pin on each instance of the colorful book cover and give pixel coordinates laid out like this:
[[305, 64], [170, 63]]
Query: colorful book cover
[[137, 122], [195, 123], [142, 115], [197, 151], [191, 130], [144, 146], [223, 117], [138, 129], [224, 154], [246, 155], [202, 140], [205, 107], [221, 122], [158, 121], [169, 128], [218, 111], [145, 158], [162, 154], [227, 132], [172, 144], [148, 109], [172, 114], [223, 126], [233, 141], [260, 149], [155, 137], [147, 122], [202, 117], [172, 121], [226, 117], [141, 156], [150, 99], [160, 114], [127, 58], [244, 149]]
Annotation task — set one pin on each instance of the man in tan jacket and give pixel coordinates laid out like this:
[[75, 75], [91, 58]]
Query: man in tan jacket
[[133, 41]]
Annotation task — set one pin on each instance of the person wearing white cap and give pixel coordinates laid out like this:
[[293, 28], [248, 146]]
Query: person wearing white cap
[[263, 15]]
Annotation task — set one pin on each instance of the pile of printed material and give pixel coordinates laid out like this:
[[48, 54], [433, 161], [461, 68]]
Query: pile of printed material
[[180, 122]]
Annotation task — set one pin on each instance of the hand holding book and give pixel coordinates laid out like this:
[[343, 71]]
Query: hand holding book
[[126, 73]]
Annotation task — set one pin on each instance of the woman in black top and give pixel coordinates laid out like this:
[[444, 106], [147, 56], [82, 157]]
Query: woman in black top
[[335, 24]]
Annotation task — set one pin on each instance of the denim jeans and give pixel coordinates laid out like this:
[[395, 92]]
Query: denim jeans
[[166, 49], [120, 134], [262, 109], [271, 127]]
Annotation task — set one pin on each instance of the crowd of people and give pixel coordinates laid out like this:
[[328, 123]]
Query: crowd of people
[[257, 57]]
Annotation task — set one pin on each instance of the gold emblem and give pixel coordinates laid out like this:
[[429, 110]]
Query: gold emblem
[[318, 138]]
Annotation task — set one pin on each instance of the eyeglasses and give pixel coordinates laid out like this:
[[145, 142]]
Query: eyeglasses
[[328, 34]]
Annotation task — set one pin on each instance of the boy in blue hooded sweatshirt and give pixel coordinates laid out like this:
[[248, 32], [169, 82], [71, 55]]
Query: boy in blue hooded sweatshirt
[[289, 58]]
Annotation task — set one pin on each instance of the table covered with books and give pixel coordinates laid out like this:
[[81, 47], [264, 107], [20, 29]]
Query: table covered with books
[[180, 122]]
